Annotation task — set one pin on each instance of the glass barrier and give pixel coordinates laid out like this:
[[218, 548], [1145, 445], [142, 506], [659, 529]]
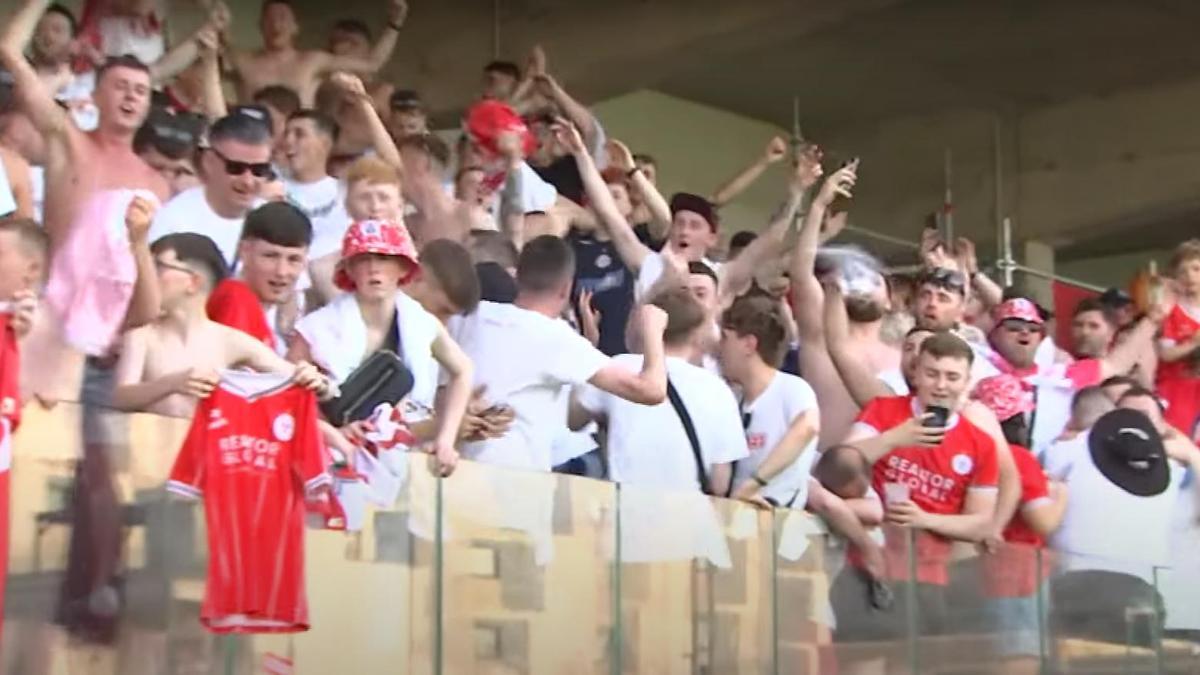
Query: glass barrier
[[1103, 615], [503, 571], [986, 607], [527, 581]]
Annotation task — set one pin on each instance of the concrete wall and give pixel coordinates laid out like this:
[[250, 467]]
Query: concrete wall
[[1069, 172], [698, 148]]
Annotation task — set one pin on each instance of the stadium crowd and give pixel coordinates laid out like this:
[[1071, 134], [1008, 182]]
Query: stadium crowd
[[552, 310]]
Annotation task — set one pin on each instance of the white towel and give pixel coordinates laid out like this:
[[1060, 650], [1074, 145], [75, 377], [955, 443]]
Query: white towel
[[337, 338]]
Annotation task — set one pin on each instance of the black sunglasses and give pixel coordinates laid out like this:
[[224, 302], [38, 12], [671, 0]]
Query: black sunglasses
[[944, 278], [235, 168]]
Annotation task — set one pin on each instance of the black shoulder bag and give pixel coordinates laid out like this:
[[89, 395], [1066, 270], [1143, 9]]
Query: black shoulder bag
[[693, 439]]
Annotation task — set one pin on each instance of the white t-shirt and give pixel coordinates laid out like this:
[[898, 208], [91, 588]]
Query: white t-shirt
[[647, 445], [524, 359], [770, 417], [1105, 527], [189, 211], [37, 185], [324, 202], [8, 202], [129, 35]]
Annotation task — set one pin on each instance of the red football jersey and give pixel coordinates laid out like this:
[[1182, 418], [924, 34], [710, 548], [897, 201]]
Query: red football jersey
[[234, 304], [1013, 571], [253, 453], [937, 479], [1177, 328], [10, 417]]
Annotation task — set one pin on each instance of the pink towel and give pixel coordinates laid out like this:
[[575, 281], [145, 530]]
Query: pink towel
[[93, 273]]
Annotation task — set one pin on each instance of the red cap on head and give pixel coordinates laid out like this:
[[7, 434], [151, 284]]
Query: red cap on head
[[487, 120], [376, 236], [1021, 309]]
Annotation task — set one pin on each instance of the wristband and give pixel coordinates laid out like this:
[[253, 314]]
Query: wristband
[[758, 479]]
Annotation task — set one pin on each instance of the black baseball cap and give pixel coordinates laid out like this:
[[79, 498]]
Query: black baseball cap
[[1115, 298], [1129, 452], [406, 99]]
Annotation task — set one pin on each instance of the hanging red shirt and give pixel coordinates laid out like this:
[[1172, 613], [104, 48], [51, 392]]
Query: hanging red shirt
[[253, 453]]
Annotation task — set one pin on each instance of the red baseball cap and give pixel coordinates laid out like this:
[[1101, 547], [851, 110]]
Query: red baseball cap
[[383, 237], [1021, 309]]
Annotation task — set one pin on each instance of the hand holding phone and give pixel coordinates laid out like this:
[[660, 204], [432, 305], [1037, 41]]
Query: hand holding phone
[[936, 416]]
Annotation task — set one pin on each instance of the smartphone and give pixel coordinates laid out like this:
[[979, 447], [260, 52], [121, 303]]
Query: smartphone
[[937, 416]]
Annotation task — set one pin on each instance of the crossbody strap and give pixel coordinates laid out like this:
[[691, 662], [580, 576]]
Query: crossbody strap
[[690, 430]]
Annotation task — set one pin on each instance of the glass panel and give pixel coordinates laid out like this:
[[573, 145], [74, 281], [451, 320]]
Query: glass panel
[[833, 616], [669, 542], [807, 560], [92, 540], [528, 577], [989, 620], [107, 573], [736, 630], [1104, 615]]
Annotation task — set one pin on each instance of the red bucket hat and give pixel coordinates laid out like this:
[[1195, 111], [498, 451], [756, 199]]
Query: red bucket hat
[[376, 236]]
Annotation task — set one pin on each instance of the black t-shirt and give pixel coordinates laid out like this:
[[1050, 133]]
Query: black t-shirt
[[563, 174], [600, 270], [642, 230]]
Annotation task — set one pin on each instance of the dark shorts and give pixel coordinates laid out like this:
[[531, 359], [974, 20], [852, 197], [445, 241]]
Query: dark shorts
[[1106, 607], [859, 621]]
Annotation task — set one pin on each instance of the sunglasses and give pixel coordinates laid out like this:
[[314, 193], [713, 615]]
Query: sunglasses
[[235, 168], [1019, 326], [944, 278]]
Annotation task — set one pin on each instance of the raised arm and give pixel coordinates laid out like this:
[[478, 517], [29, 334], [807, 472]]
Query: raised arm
[[182, 55], [632, 251], [381, 140], [33, 98], [862, 384], [1126, 353], [808, 300], [648, 387], [580, 116], [738, 273], [146, 303], [774, 153], [381, 51], [620, 157], [989, 292], [213, 96]]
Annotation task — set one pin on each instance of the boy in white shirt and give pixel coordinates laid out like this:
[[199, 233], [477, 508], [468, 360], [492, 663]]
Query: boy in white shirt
[[648, 445], [779, 411]]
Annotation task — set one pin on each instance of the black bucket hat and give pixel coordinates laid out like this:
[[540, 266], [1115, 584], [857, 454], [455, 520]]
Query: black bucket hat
[[1129, 452]]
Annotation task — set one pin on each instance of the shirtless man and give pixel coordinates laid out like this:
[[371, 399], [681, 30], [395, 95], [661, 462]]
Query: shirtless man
[[280, 62], [78, 163], [166, 366]]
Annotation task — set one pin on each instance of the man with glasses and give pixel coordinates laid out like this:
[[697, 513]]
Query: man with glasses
[[1045, 390], [236, 163]]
